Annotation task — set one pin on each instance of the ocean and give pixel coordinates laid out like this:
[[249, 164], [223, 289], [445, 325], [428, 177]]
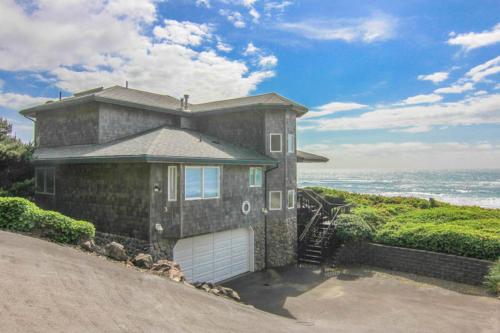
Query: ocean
[[465, 187]]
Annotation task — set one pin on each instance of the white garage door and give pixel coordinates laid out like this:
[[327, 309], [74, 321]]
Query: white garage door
[[215, 257]]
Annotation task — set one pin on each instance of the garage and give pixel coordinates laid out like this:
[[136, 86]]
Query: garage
[[217, 256]]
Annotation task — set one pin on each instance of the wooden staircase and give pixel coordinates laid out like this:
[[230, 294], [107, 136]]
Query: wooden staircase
[[316, 220]]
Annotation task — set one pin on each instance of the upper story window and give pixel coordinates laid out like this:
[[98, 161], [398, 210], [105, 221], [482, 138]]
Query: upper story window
[[172, 183], [255, 177], [291, 143], [202, 182], [291, 199], [276, 142], [45, 180], [275, 200]]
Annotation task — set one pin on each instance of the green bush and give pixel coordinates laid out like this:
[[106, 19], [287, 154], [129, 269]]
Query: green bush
[[22, 215], [352, 228], [492, 280], [372, 216], [466, 238]]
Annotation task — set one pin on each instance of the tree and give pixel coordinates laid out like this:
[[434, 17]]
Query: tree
[[16, 171]]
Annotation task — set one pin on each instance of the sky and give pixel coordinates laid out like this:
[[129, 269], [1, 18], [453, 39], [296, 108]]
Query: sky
[[389, 84]]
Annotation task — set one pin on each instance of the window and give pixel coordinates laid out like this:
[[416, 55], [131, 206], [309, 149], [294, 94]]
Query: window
[[202, 182], [276, 143], [255, 177], [275, 200], [291, 199], [172, 183], [291, 143], [45, 180]]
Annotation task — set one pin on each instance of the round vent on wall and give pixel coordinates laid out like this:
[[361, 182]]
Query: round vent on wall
[[246, 207]]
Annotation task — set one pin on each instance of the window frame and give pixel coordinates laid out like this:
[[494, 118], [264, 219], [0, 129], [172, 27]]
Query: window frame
[[251, 180], [45, 169], [290, 141], [202, 167], [172, 172], [288, 199], [271, 143], [280, 201]]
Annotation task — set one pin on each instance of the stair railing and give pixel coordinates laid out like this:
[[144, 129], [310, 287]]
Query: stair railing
[[314, 219]]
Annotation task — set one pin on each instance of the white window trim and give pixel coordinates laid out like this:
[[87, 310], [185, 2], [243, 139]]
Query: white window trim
[[288, 143], [173, 169], [202, 167], [293, 199], [249, 176], [45, 179], [281, 200], [271, 143]]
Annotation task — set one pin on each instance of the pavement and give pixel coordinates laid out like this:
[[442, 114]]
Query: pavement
[[365, 299], [46, 287]]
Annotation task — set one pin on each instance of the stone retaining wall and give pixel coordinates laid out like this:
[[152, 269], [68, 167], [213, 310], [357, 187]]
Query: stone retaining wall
[[432, 264], [133, 246]]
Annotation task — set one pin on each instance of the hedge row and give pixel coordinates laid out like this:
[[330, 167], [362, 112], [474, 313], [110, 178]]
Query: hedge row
[[464, 238], [22, 215]]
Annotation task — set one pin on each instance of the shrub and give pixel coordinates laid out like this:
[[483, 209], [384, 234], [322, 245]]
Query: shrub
[[492, 280], [352, 228], [372, 216], [463, 239], [22, 215]]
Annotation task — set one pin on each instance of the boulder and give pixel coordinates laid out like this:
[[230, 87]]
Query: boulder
[[88, 245], [116, 251], [143, 260], [169, 269], [217, 290]]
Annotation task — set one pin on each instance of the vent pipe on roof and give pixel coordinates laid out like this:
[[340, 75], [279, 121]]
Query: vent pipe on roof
[[186, 97], [182, 103], [60, 95], [126, 84]]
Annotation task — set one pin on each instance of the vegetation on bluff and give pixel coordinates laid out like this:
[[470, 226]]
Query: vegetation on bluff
[[425, 224]]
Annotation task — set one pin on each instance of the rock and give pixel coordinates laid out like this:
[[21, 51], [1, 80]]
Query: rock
[[217, 290], [116, 251], [88, 245], [168, 269], [143, 260]]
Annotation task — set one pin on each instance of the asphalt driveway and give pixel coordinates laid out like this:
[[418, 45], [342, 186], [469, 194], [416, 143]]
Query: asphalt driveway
[[365, 299]]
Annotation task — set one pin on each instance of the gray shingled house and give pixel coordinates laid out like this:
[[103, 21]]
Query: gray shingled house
[[212, 185]]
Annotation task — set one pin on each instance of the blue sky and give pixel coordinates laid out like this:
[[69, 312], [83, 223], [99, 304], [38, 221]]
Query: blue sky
[[390, 84]]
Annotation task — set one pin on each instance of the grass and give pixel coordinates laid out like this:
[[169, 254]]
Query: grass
[[426, 224]]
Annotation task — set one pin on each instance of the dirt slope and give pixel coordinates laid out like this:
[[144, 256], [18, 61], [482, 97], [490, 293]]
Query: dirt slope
[[45, 287]]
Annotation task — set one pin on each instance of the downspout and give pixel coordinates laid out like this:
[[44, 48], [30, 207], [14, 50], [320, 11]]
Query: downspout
[[266, 205], [34, 122]]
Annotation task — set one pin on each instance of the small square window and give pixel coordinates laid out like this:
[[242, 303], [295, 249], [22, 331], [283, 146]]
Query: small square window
[[276, 143], [291, 143], [291, 199], [255, 177], [275, 200]]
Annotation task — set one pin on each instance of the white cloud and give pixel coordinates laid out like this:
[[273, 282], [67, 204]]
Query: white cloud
[[422, 99], [2, 82], [234, 17], [408, 155], [480, 93], [254, 14], [268, 61], [434, 77], [17, 101], [469, 111], [367, 30], [473, 40], [331, 108], [183, 33], [223, 47], [488, 68], [455, 89], [276, 6], [251, 49], [105, 44]]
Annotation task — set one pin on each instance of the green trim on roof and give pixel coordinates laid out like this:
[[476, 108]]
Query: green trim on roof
[[153, 159]]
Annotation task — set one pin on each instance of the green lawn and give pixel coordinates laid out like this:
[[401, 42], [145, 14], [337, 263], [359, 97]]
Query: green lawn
[[427, 225]]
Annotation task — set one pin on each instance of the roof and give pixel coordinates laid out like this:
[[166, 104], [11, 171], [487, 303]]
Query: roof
[[161, 144], [304, 157], [164, 103]]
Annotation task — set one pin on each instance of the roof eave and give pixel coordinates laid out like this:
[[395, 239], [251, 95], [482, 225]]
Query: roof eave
[[300, 110], [153, 159]]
